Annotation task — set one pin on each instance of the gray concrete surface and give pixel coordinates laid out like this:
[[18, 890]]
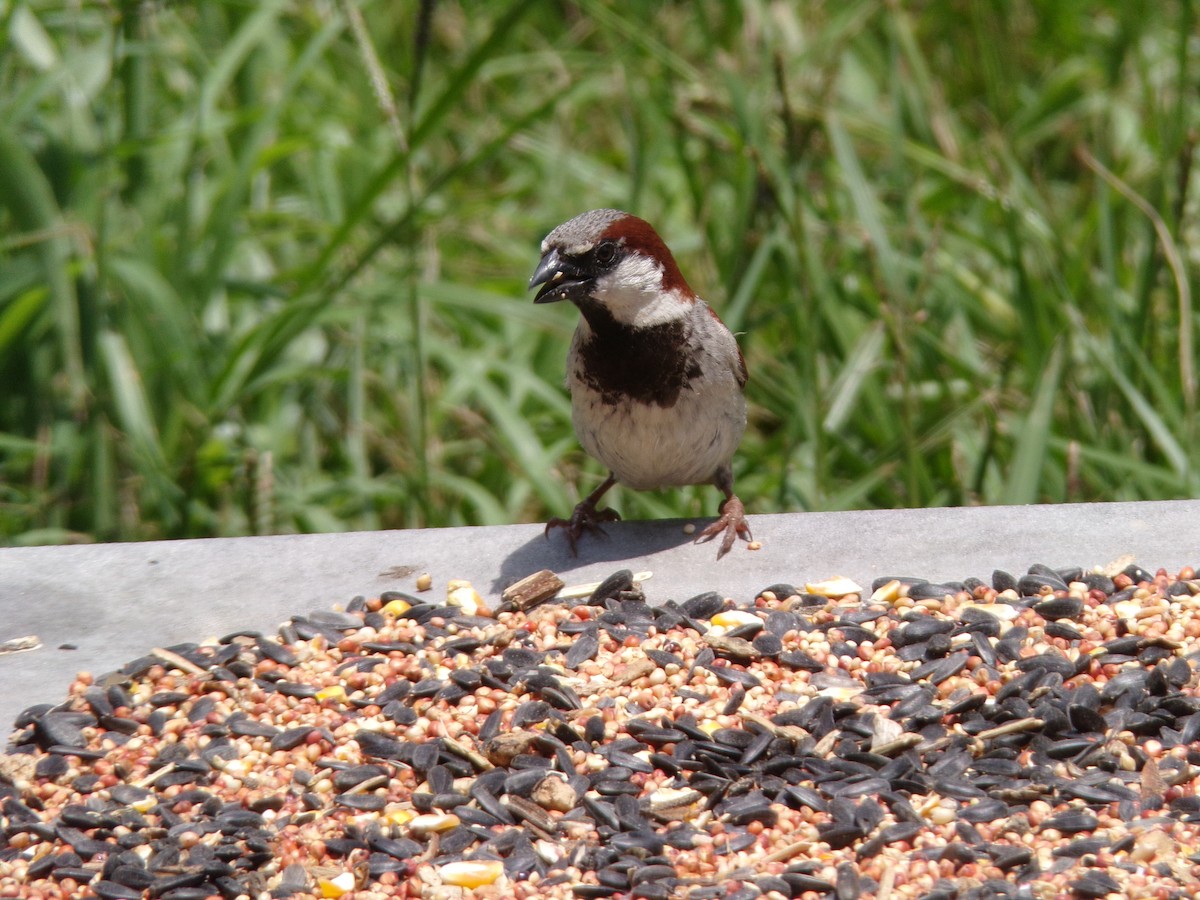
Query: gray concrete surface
[[110, 603]]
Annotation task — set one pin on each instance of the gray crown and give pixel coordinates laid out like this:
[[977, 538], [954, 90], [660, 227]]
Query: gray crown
[[582, 231]]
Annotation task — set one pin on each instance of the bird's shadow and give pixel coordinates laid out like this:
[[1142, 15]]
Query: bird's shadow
[[621, 541]]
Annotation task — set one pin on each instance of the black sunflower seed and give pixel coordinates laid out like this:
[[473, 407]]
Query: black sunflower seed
[[110, 890], [1097, 581], [1003, 581], [1095, 884], [585, 647], [928, 591], [1137, 574], [1059, 608], [703, 606], [1071, 822], [614, 584]]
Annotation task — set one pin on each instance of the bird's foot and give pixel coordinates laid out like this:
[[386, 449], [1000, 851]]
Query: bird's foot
[[732, 523], [585, 518]]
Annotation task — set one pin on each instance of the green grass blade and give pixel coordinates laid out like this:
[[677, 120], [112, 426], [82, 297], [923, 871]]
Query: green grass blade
[[129, 398], [863, 360], [28, 196], [1033, 437], [1151, 418]]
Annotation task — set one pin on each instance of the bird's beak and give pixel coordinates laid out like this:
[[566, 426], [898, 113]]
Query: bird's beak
[[557, 274]]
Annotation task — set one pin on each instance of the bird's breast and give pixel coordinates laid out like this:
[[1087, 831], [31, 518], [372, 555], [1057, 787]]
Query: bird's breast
[[660, 437]]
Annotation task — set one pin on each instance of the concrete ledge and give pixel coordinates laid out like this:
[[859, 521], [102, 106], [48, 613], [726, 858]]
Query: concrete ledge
[[113, 602]]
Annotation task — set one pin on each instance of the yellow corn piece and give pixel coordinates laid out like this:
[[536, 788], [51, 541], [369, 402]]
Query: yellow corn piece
[[396, 607], [472, 873], [337, 886]]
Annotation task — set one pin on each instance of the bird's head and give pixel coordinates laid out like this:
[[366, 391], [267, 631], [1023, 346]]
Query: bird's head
[[608, 261]]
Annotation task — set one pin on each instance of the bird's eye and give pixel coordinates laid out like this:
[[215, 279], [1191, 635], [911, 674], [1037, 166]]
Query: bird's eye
[[606, 252]]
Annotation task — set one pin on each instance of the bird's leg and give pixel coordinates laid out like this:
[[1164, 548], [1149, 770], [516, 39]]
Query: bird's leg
[[586, 517], [733, 516]]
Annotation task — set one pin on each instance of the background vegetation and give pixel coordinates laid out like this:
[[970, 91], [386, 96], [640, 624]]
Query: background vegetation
[[262, 263]]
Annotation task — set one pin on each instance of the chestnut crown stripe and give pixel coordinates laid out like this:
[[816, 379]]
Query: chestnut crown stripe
[[638, 236]]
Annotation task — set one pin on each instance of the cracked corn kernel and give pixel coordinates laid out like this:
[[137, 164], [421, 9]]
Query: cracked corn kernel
[[396, 607], [733, 618], [433, 822], [463, 595], [471, 873], [833, 587], [888, 593], [337, 886]]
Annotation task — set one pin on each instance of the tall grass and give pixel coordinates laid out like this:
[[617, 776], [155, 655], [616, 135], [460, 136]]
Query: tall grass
[[262, 265]]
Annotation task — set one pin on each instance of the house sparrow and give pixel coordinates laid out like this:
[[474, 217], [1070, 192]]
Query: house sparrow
[[656, 379]]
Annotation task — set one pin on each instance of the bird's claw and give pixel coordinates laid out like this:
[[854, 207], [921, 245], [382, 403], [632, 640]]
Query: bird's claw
[[585, 518], [732, 523]]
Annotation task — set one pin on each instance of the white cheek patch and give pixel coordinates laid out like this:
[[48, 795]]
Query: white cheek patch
[[633, 293], [636, 271]]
